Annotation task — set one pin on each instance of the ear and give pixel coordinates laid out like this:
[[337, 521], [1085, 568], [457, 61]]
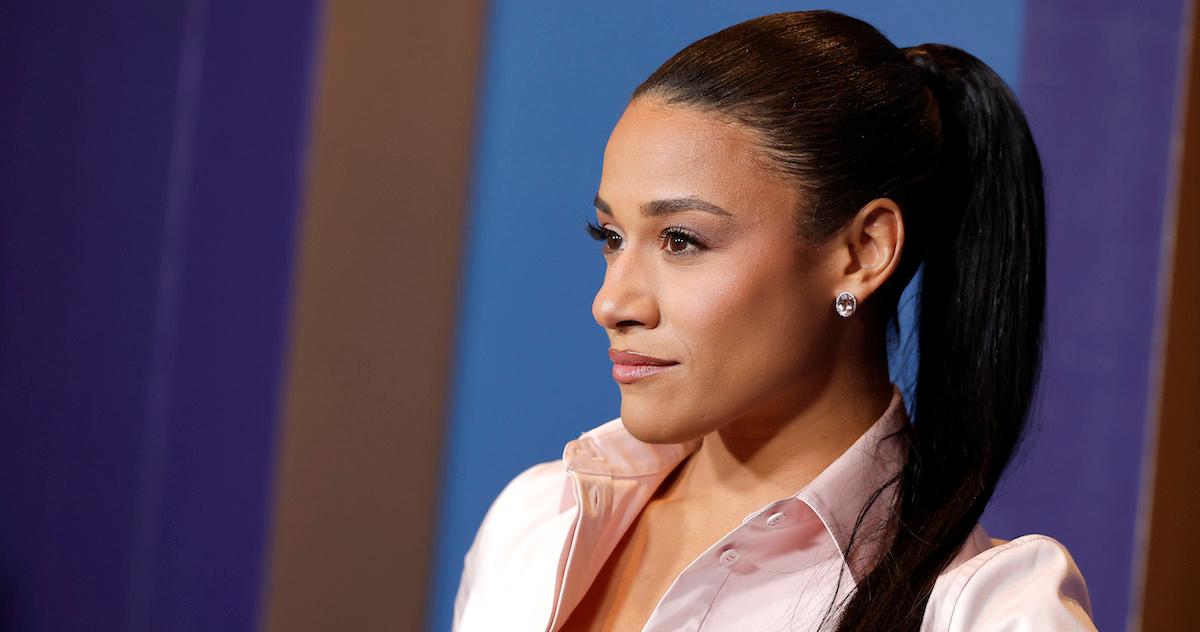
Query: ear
[[872, 243]]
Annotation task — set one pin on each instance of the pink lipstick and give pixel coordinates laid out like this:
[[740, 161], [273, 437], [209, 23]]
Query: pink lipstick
[[630, 366]]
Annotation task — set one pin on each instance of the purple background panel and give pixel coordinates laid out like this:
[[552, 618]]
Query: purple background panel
[[151, 157], [1099, 84]]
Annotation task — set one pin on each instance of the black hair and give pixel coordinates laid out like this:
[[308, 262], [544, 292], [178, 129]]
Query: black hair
[[849, 117]]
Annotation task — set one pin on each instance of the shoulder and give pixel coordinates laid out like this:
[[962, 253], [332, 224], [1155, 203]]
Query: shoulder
[[510, 569], [1029, 583], [538, 488], [532, 497]]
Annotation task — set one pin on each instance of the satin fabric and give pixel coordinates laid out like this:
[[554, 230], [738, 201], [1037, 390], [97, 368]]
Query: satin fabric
[[549, 532]]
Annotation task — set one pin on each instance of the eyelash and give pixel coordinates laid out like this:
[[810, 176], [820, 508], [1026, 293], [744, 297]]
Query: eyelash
[[602, 234]]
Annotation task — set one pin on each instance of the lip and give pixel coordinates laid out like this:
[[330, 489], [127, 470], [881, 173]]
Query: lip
[[630, 366]]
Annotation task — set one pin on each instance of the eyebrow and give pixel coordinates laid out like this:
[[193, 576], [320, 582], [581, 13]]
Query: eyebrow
[[661, 208]]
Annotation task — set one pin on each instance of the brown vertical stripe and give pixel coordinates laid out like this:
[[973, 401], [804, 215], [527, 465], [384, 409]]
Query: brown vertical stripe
[[374, 316], [1169, 600]]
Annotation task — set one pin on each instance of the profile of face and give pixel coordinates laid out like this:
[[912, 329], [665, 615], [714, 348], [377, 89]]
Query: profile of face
[[704, 269]]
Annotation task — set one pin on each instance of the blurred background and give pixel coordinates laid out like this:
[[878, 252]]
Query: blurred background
[[290, 290]]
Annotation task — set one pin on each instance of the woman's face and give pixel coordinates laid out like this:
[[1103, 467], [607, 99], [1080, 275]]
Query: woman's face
[[704, 269]]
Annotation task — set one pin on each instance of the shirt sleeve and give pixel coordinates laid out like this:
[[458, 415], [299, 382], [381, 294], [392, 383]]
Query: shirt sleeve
[[1026, 585]]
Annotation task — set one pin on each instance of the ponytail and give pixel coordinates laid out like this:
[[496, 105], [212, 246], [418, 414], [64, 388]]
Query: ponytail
[[980, 315]]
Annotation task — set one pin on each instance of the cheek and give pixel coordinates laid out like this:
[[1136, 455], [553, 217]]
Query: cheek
[[746, 332], [744, 315]]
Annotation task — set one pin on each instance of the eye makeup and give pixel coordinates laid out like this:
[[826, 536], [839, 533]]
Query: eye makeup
[[689, 243]]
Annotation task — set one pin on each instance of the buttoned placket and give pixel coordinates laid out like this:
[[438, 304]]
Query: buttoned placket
[[698, 587], [698, 584]]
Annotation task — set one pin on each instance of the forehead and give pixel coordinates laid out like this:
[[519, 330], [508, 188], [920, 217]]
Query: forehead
[[658, 151]]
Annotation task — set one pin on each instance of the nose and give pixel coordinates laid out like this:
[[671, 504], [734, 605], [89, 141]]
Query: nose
[[626, 298]]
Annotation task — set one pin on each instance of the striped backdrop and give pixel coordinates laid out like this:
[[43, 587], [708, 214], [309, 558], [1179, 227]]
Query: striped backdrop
[[280, 282]]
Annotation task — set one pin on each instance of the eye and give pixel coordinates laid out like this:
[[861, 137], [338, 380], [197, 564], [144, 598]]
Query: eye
[[677, 242], [599, 233], [681, 243]]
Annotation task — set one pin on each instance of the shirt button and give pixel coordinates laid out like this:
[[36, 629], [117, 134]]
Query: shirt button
[[729, 557], [775, 519]]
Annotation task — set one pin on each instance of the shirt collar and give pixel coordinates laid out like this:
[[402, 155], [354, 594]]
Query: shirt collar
[[836, 495]]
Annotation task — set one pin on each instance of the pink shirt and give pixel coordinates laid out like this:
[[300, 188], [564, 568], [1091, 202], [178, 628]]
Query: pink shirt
[[549, 532]]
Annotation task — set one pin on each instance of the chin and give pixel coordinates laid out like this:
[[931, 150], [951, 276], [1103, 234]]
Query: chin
[[647, 426]]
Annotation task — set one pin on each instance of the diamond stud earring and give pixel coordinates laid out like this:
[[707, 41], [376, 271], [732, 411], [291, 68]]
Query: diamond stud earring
[[845, 304]]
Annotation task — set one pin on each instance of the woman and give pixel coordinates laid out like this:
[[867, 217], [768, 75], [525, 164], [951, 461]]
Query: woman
[[765, 197]]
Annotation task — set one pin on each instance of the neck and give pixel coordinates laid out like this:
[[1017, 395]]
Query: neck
[[775, 452]]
